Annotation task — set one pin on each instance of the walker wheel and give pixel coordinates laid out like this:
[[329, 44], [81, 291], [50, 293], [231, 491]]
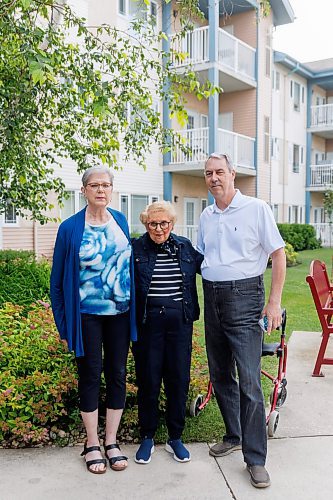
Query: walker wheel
[[273, 423], [282, 396], [194, 406]]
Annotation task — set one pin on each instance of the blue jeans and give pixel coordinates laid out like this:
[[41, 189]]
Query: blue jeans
[[234, 339]]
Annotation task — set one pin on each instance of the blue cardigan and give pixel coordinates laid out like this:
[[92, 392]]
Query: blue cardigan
[[65, 280]]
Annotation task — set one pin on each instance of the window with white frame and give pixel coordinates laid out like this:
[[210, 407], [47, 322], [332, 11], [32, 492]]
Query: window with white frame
[[275, 148], [132, 206], [293, 214], [297, 96], [296, 158], [72, 204], [204, 204], [123, 7], [266, 139], [275, 210], [10, 214], [318, 215], [276, 80]]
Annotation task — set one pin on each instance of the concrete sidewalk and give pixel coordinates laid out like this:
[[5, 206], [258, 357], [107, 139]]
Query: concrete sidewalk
[[300, 456]]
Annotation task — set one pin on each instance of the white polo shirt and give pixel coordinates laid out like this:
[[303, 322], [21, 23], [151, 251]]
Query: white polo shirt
[[236, 242]]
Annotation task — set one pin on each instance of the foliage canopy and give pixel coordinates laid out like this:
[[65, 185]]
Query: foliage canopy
[[69, 91]]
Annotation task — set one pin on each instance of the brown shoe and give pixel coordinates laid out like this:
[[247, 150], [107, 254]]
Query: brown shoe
[[259, 476], [223, 448]]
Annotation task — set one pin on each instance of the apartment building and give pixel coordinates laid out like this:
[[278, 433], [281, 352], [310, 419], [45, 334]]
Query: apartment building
[[302, 141], [231, 47]]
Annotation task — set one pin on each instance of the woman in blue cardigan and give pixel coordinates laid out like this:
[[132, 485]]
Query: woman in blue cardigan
[[93, 303]]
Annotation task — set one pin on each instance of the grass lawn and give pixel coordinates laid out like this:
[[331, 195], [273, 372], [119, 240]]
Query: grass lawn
[[301, 315]]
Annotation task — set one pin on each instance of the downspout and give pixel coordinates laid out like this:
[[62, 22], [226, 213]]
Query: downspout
[[166, 28], [257, 104]]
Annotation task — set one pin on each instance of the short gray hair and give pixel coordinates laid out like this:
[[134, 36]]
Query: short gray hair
[[158, 206], [96, 169], [222, 156]]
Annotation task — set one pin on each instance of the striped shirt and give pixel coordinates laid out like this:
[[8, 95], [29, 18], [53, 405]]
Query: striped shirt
[[166, 280]]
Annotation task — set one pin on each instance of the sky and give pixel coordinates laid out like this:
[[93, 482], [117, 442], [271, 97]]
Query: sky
[[309, 37]]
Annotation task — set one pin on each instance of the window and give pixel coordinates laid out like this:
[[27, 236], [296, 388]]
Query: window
[[132, 206], [266, 139], [296, 158], [122, 7], [276, 80], [291, 88], [268, 62], [293, 214], [275, 210], [190, 122], [297, 96], [204, 203], [10, 214], [303, 92], [72, 204], [275, 148]]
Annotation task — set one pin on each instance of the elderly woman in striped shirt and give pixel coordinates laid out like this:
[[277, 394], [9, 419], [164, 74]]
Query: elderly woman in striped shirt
[[166, 304]]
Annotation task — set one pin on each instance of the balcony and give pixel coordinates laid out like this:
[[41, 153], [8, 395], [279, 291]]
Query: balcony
[[322, 120], [239, 147], [321, 177], [236, 59]]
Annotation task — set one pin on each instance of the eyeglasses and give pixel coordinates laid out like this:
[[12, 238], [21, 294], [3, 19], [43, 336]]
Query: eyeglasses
[[163, 225], [105, 186]]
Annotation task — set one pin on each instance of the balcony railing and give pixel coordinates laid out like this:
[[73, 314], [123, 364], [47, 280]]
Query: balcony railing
[[321, 175], [322, 116], [239, 147], [197, 140], [232, 52], [236, 54], [324, 232]]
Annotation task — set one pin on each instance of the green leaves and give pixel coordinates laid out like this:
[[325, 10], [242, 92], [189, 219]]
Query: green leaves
[[80, 98]]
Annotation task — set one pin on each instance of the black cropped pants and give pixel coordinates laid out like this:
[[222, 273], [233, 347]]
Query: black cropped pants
[[110, 334]]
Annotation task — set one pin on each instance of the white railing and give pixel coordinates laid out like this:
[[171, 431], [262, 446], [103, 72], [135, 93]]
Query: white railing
[[322, 116], [239, 147], [321, 175], [232, 52], [193, 48], [196, 140], [189, 231], [237, 55], [324, 232]]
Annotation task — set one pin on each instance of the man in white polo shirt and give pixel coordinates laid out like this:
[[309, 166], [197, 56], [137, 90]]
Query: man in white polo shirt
[[236, 235]]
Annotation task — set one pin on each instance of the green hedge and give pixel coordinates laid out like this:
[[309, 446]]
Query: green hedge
[[38, 382], [300, 236], [23, 280]]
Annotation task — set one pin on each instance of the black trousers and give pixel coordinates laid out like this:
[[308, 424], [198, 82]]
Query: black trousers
[[163, 352], [111, 334]]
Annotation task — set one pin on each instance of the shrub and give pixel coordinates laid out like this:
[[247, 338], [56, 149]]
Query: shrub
[[300, 236], [23, 280], [291, 255], [38, 381], [37, 376]]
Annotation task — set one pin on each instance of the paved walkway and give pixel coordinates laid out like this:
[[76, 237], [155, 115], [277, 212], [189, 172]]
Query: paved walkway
[[300, 457]]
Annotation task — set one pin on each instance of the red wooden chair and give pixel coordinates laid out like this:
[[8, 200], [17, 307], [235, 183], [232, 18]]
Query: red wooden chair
[[322, 293]]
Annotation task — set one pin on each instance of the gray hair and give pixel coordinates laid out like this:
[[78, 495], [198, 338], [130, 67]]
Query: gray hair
[[158, 206], [96, 169], [222, 156]]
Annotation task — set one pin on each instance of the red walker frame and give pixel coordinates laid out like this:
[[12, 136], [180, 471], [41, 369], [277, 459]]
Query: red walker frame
[[279, 392]]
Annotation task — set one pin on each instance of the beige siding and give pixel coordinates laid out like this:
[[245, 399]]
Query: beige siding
[[185, 186], [243, 106], [247, 185], [329, 145], [244, 26]]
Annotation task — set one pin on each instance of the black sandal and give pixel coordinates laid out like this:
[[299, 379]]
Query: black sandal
[[113, 460], [89, 463]]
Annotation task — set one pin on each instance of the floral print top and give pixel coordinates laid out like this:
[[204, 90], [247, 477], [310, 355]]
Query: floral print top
[[104, 269]]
